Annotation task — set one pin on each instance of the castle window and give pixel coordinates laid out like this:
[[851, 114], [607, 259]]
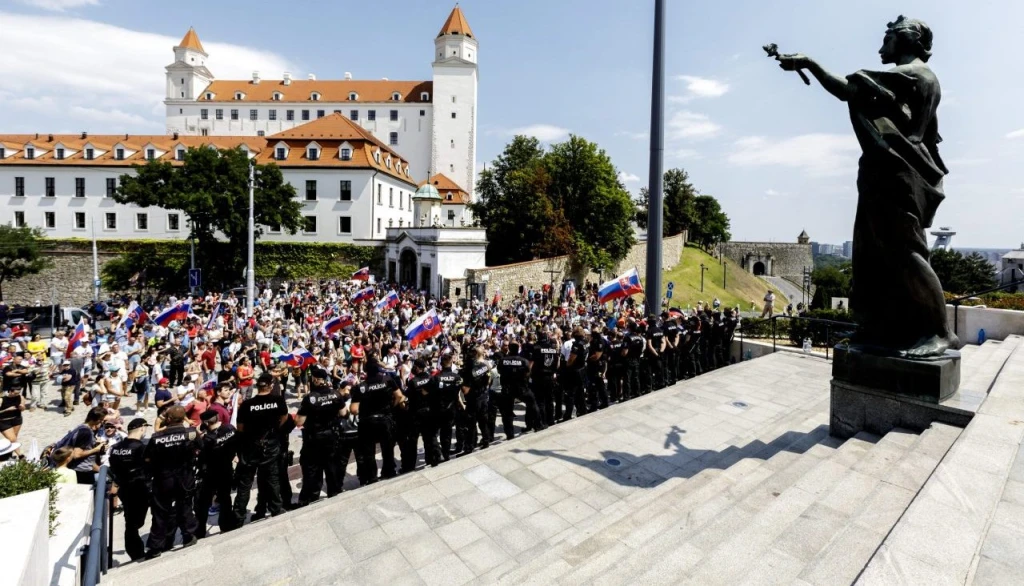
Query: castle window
[[314, 96], [289, 115], [305, 114], [111, 221], [391, 197], [394, 115], [239, 96], [234, 114], [51, 187], [311, 190], [142, 222], [451, 215], [150, 154], [30, 153], [387, 162], [204, 114], [393, 139], [60, 154], [272, 114], [219, 113], [253, 114], [309, 225], [277, 96], [19, 219], [173, 222], [345, 224], [424, 96], [261, 133], [346, 154], [79, 220], [209, 96], [354, 115], [396, 96], [89, 154], [453, 115], [313, 154], [281, 154], [352, 96], [448, 196], [180, 155], [319, 113], [423, 112], [371, 115], [119, 154], [346, 190]]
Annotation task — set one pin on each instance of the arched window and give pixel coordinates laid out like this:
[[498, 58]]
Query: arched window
[[424, 96], [315, 96], [352, 96], [209, 95], [396, 96], [239, 96], [277, 96]]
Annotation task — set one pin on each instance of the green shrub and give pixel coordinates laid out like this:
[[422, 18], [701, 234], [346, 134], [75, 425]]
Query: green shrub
[[819, 333], [23, 476]]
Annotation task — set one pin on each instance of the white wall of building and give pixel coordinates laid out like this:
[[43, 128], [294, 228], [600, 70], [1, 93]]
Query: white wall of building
[[455, 114]]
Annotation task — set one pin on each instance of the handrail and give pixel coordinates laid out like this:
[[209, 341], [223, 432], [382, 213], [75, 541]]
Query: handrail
[[828, 324], [95, 560], [959, 300]]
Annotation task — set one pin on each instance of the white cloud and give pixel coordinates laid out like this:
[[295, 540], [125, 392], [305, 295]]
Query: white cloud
[[1019, 133], [771, 192], [691, 125], [542, 132], [59, 5], [633, 135], [628, 177], [101, 67], [680, 154], [817, 154], [699, 87]]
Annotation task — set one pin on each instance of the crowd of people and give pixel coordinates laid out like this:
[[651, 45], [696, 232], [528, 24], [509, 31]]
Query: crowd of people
[[220, 380]]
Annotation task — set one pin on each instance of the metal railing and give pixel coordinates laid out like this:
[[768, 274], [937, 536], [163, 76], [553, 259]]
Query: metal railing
[[959, 300], [829, 326], [99, 552]]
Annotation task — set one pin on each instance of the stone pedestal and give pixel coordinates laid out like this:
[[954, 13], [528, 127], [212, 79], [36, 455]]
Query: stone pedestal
[[878, 393]]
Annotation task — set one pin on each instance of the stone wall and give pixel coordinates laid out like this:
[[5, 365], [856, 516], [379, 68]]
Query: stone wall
[[69, 281], [535, 273], [780, 259]]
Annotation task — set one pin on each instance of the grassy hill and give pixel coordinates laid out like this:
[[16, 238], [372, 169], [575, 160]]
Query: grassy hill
[[741, 287]]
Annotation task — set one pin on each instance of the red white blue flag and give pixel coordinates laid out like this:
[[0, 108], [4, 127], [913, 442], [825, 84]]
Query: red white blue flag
[[134, 315], [363, 295], [362, 274], [76, 339], [625, 285], [336, 324], [390, 300], [177, 312], [217, 310], [424, 328]]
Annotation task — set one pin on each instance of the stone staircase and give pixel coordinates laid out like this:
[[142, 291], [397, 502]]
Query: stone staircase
[[746, 487]]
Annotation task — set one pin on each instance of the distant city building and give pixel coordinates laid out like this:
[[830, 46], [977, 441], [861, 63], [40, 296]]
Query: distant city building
[[1013, 267], [943, 238], [848, 249]]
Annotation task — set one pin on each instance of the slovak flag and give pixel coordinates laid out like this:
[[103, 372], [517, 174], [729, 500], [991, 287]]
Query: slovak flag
[[177, 312], [336, 324], [217, 310], [676, 313], [363, 295], [424, 328], [389, 301], [362, 274], [76, 339], [209, 385], [570, 289], [627, 284], [134, 315], [298, 358]]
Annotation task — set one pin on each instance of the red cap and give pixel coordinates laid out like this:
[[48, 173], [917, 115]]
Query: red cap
[[164, 381]]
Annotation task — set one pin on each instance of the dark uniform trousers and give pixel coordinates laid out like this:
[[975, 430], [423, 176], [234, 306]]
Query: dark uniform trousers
[[424, 425], [656, 365], [532, 412], [631, 389], [320, 459], [216, 482], [444, 423], [405, 437], [544, 392], [504, 402], [261, 461], [473, 416], [373, 430], [671, 366], [284, 460], [574, 393], [171, 500], [597, 390], [135, 500]]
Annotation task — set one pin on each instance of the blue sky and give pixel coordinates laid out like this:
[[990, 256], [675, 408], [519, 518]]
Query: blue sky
[[780, 156]]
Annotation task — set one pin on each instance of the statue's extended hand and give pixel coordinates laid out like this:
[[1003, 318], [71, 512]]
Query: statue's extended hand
[[793, 61]]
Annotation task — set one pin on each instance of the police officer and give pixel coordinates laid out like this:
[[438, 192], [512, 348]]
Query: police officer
[[671, 348], [655, 349], [475, 383], [318, 416], [446, 399], [260, 420], [514, 371], [691, 347], [171, 458], [128, 471], [220, 444], [597, 370], [544, 364], [617, 351], [636, 344], [420, 389], [373, 401], [572, 383]]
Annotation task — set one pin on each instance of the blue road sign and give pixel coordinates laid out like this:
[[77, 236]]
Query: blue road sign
[[195, 278], [668, 295], [671, 285]]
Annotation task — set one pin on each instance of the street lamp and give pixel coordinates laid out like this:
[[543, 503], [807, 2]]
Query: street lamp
[[702, 269], [725, 274], [250, 272]]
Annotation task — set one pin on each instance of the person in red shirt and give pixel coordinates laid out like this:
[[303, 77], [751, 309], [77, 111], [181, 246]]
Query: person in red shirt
[[221, 404], [245, 376], [208, 358], [194, 410]]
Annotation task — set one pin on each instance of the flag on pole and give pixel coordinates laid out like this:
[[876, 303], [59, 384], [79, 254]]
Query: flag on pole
[[625, 285], [390, 300], [134, 315], [424, 328], [76, 340], [177, 312], [298, 358], [362, 274], [336, 324], [570, 290], [363, 295], [217, 310]]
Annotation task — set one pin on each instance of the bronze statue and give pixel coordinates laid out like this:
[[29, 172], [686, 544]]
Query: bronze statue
[[897, 300]]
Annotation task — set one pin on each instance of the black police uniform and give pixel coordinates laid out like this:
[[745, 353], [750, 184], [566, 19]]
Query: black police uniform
[[171, 458], [655, 365], [691, 349], [259, 453], [597, 371], [637, 345], [704, 344], [545, 359], [717, 338], [671, 352], [617, 369], [514, 370], [476, 379], [219, 448], [419, 389], [128, 470], [319, 457], [445, 399], [376, 426], [573, 387]]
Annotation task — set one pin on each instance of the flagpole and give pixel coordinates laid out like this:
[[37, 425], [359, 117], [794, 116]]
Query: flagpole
[[655, 193], [250, 272]]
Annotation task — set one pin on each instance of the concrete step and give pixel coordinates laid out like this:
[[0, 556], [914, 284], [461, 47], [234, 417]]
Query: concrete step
[[981, 368]]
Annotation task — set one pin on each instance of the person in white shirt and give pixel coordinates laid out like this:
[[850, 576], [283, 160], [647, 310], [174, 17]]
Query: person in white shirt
[[58, 346]]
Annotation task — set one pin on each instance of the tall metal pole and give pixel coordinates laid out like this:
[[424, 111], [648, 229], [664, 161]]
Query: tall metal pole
[[192, 257], [95, 265], [655, 194], [250, 272]]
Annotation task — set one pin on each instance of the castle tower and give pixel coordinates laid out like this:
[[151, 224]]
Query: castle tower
[[453, 151], [803, 238], [188, 75]]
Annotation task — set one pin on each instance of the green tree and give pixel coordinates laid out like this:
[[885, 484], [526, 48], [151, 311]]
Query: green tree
[[21, 253], [830, 281], [211, 188], [710, 225], [515, 209], [586, 188], [960, 274], [679, 207]]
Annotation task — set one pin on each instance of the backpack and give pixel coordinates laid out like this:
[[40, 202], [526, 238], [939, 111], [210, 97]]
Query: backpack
[[47, 455]]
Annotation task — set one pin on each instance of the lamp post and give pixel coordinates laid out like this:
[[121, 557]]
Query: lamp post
[[725, 274], [250, 271], [655, 182], [702, 269]]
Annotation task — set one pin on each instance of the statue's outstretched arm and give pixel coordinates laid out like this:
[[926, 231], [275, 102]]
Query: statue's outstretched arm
[[835, 85]]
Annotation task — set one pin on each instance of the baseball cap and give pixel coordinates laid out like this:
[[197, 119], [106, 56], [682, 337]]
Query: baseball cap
[[137, 423], [164, 381]]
